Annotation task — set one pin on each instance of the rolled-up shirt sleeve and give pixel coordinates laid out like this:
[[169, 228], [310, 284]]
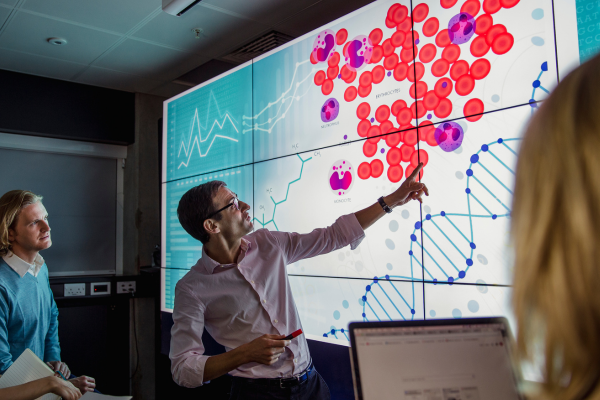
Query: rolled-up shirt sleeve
[[187, 350], [343, 232]]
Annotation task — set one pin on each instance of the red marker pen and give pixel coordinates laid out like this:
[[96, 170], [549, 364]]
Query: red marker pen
[[293, 335]]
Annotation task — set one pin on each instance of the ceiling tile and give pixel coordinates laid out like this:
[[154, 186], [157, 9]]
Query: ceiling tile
[[29, 33], [117, 80], [265, 11], [36, 65], [221, 31], [4, 13], [169, 90], [10, 3], [151, 61], [115, 15]]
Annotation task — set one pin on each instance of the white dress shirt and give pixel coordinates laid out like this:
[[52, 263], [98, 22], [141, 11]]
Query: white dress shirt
[[21, 266]]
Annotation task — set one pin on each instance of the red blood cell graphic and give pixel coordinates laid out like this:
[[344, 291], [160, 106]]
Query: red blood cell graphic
[[378, 74], [346, 48], [419, 156], [509, 3], [427, 133], [364, 170], [420, 89], [442, 39], [363, 110], [341, 36], [393, 139], [410, 169], [448, 3], [431, 26], [420, 12], [352, 77], [459, 69], [376, 168], [391, 10], [451, 53], [401, 71], [400, 14], [411, 38], [471, 7], [443, 88], [404, 26], [350, 94], [503, 43], [327, 87], [406, 56], [394, 156], [417, 68], [398, 38], [369, 149], [473, 106], [374, 134], [480, 68], [390, 62], [377, 54], [493, 32], [382, 114], [440, 67], [404, 116], [363, 127], [386, 127], [364, 91], [395, 173], [491, 6], [334, 60], [389, 23], [465, 85], [332, 72], [407, 150], [312, 59], [479, 47], [443, 109], [345, 72], [483, 24], [427, 53], [388, 47], [320, 78], [430, 100], [397, 106], [418, 109], [366, 78]]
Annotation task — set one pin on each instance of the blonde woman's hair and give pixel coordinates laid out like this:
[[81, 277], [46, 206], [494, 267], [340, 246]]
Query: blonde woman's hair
[[556, 233], [11, 204]]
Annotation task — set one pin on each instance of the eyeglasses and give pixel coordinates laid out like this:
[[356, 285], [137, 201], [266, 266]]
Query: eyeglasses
[[234, 203]]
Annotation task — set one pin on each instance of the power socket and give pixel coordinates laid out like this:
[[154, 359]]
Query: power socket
[[74, 289], [126, 287]]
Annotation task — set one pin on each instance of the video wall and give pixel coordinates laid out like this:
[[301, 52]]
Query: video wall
[[324, 125]]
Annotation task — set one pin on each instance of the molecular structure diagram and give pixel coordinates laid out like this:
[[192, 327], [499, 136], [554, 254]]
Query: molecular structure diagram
[[403, 57]]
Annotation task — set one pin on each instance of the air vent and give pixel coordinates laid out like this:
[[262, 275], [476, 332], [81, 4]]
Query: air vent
[[257, 47]]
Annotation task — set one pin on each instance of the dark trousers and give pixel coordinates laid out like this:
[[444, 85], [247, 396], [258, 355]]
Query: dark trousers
[[314, 388]]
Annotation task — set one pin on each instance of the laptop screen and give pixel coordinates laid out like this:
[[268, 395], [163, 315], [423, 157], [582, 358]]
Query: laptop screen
[[442, 362]]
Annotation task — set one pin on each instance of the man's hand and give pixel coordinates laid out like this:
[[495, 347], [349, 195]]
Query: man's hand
[[84, 383], [64, 389], [409, 190], [60, 366], [266, 349]]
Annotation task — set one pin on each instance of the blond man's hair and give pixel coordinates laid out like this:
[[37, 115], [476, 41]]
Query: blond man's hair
[[556, 233], [11, 204]]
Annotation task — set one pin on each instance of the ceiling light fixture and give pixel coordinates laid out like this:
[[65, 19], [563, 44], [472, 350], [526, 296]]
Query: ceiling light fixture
[[57, 41], [198, 32]]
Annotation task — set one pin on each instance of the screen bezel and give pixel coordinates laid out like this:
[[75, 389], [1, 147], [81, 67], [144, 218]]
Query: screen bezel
[[431, 322]]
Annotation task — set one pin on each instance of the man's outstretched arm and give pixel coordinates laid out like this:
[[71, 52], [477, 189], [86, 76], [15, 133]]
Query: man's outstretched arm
[[409, 190]]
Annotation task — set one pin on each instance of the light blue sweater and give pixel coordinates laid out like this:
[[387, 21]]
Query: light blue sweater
[[28, 316]]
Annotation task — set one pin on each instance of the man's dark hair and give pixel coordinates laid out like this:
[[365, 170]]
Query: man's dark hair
[[195, 206]]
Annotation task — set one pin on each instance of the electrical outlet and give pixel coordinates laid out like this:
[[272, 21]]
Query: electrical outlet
[[126, 287], [74, 289]]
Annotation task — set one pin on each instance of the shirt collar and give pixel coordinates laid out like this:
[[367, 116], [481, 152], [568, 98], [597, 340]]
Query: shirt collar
[[210, 264], [21, 266]]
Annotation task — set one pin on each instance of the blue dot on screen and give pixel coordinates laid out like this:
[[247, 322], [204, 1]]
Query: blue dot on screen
[[333, 331], [435, 281], [412, 312], [484, 147], [545, 66], [473, 306], [364, 315], [432, 313], [387, 277], [410, 252], [428, 217], [345, 304], [467, 190], [372, 120], [494, 216], [375, 279], [325, 335], [443, 213], [473, 245], [389, 73], [417, 225], [368, 288], [532, 103], [364, 298], [474, 158], [456, 313], [342, 330], [469, 172], [382, 151], [469, 262], [536, 84], [500, 140], [450, 279], [461, 274], [413, 238], [336, 314]]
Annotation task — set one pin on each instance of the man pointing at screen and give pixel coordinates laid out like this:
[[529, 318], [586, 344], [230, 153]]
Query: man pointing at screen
[[239, 292]]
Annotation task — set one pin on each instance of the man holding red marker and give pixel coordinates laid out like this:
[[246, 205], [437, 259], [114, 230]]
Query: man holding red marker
[[239, 292]]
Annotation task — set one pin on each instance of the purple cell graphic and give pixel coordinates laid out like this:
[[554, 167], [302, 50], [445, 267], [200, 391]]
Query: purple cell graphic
[[330, 110], [449, 136], [461, 28], [358, 53], [324, 45], [340, 177]]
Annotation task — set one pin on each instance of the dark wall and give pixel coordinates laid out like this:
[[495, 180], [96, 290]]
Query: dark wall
[[33, 105]]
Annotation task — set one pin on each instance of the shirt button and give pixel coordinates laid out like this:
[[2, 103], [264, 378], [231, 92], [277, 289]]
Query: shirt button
[[252, 282], [275, 321], [296, 360], [264, 301]]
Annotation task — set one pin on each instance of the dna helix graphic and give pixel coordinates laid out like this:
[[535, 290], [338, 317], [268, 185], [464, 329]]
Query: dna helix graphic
[[450, 237]]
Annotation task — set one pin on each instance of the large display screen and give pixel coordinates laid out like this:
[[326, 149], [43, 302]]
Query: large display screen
[[324, 125]]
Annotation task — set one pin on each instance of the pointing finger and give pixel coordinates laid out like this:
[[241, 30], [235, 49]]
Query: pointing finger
[[415, 172]]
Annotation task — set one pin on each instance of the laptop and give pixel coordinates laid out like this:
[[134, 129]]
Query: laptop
[[458, 359]]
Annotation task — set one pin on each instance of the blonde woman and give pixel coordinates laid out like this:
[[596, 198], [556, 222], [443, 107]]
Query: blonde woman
[[556, 232]]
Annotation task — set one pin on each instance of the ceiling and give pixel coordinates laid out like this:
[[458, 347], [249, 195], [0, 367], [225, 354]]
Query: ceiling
[[132, 45]]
